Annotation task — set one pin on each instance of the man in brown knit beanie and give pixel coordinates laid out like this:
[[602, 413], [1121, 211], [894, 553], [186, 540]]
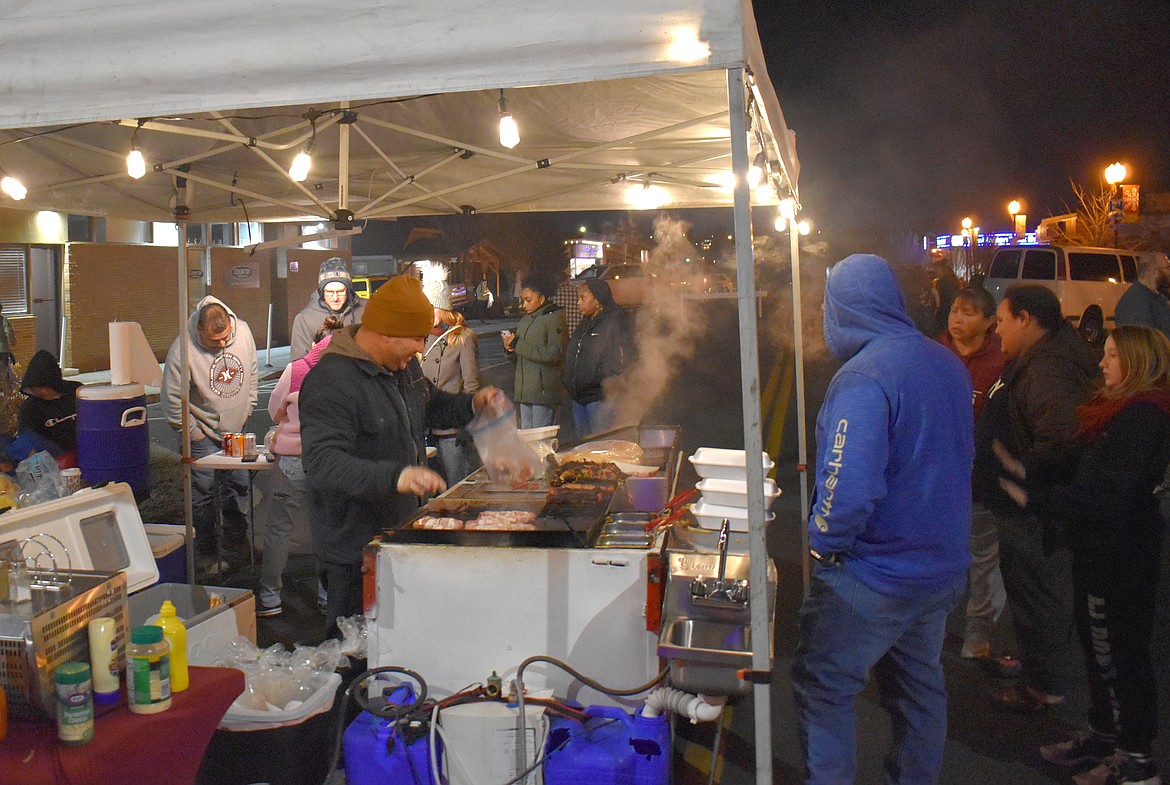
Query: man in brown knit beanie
[[365, 409]]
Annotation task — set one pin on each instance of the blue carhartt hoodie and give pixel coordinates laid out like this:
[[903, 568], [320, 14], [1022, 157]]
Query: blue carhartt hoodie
[[894, 441]]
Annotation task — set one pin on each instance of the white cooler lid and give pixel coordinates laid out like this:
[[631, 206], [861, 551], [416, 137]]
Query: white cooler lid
[[100, 527], [110, 392]]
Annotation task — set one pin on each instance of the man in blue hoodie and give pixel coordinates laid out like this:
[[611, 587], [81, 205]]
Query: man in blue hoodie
[[888, 530]]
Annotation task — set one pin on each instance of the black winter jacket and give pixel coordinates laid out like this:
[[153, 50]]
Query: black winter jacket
[[599, 348], [1032, 411], [1108, 503], [361, 425]]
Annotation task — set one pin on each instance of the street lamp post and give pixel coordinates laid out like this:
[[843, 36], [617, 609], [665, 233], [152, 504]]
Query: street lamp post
[[1018, 219], [1115, 175]]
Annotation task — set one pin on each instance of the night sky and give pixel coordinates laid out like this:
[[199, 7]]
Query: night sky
[[912, 115]]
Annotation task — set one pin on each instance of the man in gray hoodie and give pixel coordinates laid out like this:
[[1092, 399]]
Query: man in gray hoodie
[[222, 374]]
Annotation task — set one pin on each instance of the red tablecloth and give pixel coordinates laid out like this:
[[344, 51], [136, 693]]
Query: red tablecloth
[[127, 748]]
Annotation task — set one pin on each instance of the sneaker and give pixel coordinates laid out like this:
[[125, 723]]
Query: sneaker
[[1024, 700], [268, 611], [1003, 667], [1121, 768], [975, 647], [1083, 747]]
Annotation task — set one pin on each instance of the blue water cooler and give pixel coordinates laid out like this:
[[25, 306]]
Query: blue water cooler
[[113, 439]]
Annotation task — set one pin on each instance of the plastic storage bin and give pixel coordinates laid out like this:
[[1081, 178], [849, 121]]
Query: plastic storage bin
[[209, 629]]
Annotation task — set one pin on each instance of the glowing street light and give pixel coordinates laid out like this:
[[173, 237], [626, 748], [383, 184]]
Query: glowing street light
[[1115, 174], [1013, 207], [1019, 220]]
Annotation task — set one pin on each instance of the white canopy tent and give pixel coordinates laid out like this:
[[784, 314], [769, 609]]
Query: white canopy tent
[[651, 104]]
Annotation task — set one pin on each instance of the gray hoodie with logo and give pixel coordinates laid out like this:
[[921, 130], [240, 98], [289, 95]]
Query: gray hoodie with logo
[[222, 382]]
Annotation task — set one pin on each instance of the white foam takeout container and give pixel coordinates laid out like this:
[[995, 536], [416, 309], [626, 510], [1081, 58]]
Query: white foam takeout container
[[720, 464], [733, 493], [710, 516]]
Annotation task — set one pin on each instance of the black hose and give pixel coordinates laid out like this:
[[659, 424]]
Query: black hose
[[387, 711]]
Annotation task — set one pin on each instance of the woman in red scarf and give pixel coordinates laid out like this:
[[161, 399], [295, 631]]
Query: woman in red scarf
[[1114, 530]]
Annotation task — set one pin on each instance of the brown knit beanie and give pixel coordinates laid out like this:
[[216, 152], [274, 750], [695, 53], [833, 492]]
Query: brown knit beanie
[[399, 309]]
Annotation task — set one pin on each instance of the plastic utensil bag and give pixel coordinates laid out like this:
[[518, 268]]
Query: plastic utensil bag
[[508, 459], [40, 479]]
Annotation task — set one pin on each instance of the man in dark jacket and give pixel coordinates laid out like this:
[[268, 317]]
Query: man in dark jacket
[[334, 296], [1031, 411], [888, 530], [365, 409], [1144, 302]]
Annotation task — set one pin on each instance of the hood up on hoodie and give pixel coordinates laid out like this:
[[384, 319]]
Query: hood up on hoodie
[[862, 301], [43, 371]]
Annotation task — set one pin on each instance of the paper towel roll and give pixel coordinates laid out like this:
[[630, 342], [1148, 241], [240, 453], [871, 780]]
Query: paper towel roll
[[131, 358]]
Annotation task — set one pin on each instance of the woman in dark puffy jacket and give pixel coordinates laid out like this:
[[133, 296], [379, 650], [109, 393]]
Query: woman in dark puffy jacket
[[599, 348], [1114, 530], [538, 349]]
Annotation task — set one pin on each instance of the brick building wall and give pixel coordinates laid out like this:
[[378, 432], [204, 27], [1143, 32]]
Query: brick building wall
[[233, 286], [105, 282], [25, 329]]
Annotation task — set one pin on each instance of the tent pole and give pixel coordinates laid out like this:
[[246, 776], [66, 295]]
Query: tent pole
[[801, 422], [185, 397], [749, 353]]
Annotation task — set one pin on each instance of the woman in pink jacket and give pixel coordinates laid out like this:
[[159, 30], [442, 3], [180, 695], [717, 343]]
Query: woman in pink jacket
[[288, 486]]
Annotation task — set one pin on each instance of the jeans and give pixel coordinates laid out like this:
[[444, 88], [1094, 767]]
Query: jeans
[[288, 504], [591, 418], [233, 495], [847, 629], [1038, 586], [455, 458], [986, 595], [533, 415]]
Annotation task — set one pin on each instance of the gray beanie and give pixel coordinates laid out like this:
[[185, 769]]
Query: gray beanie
[[334, 270]]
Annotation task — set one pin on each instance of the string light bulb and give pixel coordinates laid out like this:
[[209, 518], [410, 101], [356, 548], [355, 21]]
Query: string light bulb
[[13, 187], [298, 172], [755, 174], [509, 131], [135, 163]]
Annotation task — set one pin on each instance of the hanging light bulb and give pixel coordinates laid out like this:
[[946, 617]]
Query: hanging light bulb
[[135, 163], [756, 172], [299, 171], [509, 131], [13, 187]]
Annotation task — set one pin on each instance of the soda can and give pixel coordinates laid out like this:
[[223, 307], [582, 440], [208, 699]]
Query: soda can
[[227, 444], [237, 445], [249, 447]]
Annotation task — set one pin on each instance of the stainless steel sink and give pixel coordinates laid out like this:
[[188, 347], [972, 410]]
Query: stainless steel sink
[[714, 641], [706, 622]]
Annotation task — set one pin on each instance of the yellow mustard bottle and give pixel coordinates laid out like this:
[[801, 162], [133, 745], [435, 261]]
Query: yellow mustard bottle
[[176, 634]]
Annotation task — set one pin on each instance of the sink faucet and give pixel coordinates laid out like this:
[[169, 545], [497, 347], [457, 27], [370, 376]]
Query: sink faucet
[[720, 592]]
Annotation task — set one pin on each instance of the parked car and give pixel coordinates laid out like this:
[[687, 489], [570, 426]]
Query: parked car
[[1079, 276], [365, 285]]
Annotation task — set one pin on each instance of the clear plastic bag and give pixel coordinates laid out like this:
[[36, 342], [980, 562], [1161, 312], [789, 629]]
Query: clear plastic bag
[[507, 458], [40, 479]]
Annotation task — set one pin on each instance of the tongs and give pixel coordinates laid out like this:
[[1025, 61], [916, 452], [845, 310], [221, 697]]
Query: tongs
[[672, 511]]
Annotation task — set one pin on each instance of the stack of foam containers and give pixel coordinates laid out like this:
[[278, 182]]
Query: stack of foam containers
[[723, 484]]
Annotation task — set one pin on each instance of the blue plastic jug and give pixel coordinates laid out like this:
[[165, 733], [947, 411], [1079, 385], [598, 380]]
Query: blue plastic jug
[[377, 754], [610, 748]]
